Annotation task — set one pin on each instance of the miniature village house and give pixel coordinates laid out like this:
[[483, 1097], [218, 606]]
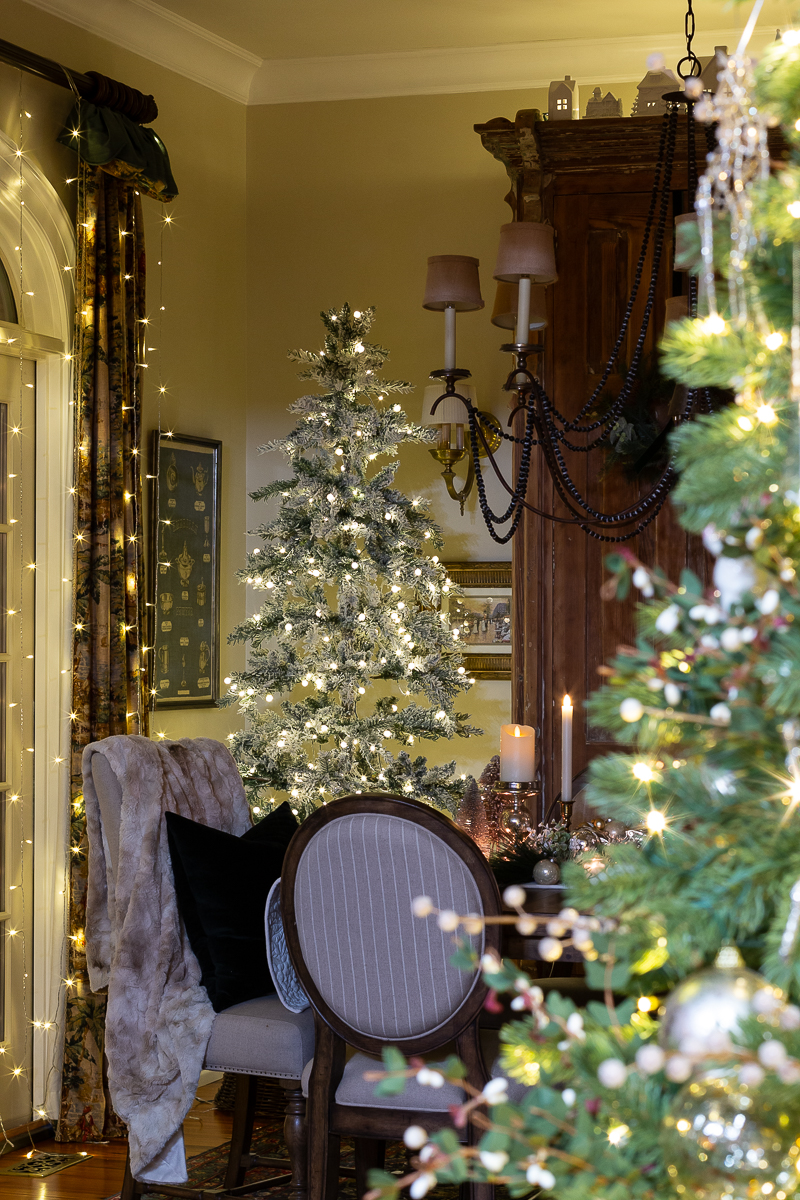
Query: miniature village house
[[599, 105], [650, 101], [563, 100]]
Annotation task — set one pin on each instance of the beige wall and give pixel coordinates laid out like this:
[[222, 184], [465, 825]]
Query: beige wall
[[285, 210], [203, 348], [346, 200]]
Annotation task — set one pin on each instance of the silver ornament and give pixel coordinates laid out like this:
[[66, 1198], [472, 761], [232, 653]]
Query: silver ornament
[[546, 871], [712, 1002], [724, 1141], [615, 830]]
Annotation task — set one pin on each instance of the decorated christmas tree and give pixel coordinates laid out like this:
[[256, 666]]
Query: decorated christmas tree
[[351, 631], [683, 1076]]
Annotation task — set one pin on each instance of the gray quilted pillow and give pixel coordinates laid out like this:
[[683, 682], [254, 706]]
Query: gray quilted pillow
[[287, 985]]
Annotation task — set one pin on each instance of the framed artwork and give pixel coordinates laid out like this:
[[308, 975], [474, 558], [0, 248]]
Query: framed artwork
[[185, 569], [484, 616]]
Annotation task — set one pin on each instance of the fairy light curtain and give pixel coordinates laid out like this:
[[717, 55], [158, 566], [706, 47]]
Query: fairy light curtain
[[109, 668]]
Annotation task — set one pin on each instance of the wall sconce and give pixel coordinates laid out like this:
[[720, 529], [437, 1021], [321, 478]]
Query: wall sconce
[[525, 257], [453, 285], [450, 418]]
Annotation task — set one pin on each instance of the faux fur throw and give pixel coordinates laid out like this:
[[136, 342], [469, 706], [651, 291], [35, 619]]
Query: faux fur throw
[[159, 1018]]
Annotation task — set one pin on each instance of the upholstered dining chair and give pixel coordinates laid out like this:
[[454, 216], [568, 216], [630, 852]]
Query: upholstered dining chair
[[377, 975], [256, 1039]]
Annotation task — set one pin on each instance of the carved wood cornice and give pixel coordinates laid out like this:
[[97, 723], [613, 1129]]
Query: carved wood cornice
[[533, 151]]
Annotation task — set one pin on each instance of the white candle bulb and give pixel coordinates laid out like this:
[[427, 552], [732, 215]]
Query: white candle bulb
[[449, 338], [523, 310], [566, 749], [517, 753]]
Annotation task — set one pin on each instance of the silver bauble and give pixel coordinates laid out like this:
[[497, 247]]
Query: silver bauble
[[711, 1002], [584, 838], [546, 871], [615, 830], [723, 1141]]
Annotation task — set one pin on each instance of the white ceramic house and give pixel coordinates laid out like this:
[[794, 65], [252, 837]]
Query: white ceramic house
[[649, 101], [563, 100]]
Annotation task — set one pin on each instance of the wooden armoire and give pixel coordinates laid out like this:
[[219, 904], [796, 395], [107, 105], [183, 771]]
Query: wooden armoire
[[592, 180]]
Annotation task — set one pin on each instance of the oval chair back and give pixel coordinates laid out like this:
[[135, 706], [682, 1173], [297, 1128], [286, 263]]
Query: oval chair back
[[374, 972]]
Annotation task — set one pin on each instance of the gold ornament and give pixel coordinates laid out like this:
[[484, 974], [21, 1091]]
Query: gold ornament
[[724, 1141]]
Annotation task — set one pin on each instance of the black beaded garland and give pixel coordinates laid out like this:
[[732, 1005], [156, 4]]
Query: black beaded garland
[[548, 428]]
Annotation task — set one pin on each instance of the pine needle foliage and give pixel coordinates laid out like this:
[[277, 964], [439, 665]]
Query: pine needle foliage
[[350, 630], [705, 707]]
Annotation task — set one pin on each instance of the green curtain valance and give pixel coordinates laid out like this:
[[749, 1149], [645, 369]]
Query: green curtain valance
[[107, 139]]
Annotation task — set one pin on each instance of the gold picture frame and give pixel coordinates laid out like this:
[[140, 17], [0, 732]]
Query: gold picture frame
[[485, 610], [185, 553]]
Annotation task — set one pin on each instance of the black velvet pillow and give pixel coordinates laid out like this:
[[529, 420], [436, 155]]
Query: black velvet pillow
[[221, 884]]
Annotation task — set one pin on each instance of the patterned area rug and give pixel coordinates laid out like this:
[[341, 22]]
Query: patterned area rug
[[208, 1169]]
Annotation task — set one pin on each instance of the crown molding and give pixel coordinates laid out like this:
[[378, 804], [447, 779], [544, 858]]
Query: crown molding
[[172, 41], [520, 65], [163, 37]]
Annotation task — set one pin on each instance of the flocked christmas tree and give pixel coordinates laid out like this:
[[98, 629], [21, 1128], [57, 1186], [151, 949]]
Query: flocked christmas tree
[[351, 630], [690, 1086]]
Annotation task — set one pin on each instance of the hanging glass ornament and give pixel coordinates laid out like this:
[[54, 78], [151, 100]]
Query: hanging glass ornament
[[724, 1141], [707, 1007]]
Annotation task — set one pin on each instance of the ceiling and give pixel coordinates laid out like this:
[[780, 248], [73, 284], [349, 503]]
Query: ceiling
[[311, 28], [286, 51]]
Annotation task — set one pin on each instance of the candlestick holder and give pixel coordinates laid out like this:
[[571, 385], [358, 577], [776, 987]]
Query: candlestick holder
[[518, 801], [565, 812]]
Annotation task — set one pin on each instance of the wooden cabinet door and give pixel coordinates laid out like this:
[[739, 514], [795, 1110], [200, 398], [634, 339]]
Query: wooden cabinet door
[[565, 629]]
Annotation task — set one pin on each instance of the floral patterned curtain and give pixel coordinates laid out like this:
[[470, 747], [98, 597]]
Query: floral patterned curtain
[[109, 672]]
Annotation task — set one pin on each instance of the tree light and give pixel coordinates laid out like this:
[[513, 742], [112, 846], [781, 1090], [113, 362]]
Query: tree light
[[656, 821], [642, 772], [766, 414], [774, 341]]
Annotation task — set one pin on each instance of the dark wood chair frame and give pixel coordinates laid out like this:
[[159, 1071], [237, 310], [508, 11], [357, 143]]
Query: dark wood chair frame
[[372, 1127], [240, 1159]]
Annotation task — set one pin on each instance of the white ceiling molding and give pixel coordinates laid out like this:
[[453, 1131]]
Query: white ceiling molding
[[519, 65], [163, 37], [149, 29]]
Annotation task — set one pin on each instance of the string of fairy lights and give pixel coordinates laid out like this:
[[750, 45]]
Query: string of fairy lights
[[19, 794], [162, 391], [17, 797]]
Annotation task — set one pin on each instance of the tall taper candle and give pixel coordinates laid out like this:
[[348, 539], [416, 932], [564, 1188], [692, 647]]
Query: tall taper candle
[[523, 310], [566, 749], [449, 337], [517, 753]]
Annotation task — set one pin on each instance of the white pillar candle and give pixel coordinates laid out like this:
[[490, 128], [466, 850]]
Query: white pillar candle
[[517, 753], [449, 338], [566, 749], [523, 310]]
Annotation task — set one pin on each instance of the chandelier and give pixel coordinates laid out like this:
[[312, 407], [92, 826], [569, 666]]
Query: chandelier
[[526, 265]]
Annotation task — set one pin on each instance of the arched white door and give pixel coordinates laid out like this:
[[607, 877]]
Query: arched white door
[[35, 645]]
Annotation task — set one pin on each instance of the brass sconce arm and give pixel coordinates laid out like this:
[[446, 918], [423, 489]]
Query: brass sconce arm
[[451, 448]]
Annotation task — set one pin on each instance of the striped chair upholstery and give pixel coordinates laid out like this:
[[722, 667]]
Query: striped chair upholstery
[[377, 975], [382, 970]]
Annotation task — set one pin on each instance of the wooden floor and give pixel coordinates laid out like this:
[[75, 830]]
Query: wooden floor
[[101, 1175]]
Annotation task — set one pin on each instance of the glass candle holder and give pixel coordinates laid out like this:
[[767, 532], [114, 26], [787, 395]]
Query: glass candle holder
[[516, 824]]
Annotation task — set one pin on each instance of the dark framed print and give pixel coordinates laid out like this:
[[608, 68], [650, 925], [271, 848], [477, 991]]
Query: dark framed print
[[483, 616], [185, 506]]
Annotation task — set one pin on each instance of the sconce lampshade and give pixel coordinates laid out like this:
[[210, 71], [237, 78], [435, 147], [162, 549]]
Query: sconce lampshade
[[504, 315], [453, 282], [526, 248], [451, 411], [685, 241], [677, 307]]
